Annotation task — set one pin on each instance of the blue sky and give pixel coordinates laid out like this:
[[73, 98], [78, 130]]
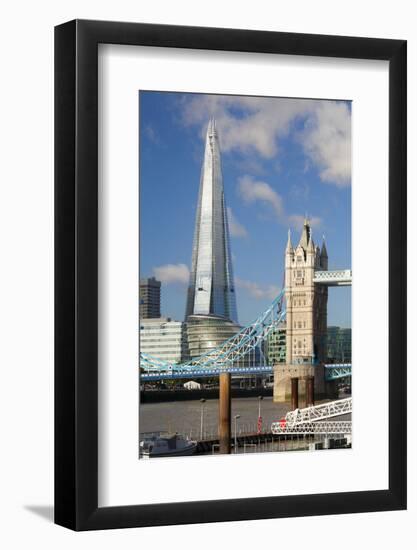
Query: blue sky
[[282, 159]]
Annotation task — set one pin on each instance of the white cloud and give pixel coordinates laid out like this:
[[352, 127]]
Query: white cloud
[[236, 228], [252, 191], [327, 141], [172, 273], [258, 291], [253, 125], [151, 134], [245, 123], [250, 165]]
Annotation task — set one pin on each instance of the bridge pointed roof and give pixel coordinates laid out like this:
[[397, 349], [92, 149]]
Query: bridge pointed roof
[[289, 243], [305, 234], [311, 246], [324, 249]]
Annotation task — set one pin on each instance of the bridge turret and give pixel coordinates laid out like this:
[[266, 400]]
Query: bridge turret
[[318, 262], [289, 251], [289, 259], [311, 252], [324, 259], [305, 234]]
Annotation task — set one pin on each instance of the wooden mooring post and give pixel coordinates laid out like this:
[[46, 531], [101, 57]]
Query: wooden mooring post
[[224, 413]]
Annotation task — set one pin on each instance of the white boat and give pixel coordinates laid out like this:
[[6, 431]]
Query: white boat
[[167, 445]]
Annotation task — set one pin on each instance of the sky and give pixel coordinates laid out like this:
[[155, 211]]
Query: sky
[[282, 159]]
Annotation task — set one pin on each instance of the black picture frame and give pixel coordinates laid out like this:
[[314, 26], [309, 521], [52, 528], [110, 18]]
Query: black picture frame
[[76, 272]]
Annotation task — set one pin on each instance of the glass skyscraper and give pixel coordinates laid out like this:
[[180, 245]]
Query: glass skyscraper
[[211, 290]]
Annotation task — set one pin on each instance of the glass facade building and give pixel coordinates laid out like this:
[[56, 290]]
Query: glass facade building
[[211, 290], [339, 345], [275, 346], [164, 339], [206, 332], [150, 298]]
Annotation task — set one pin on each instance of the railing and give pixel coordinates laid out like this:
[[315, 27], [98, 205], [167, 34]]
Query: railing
[[319, 412], [324, 428], [333, 278]]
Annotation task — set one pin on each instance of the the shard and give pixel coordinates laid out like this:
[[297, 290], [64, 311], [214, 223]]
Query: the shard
[[211, 290]]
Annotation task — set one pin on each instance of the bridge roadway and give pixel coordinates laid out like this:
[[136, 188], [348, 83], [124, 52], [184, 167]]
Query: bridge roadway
[[332, 372]]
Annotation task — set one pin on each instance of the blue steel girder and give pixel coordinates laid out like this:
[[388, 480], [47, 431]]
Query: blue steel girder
[[225, 356], [337, 371], [203, 373]]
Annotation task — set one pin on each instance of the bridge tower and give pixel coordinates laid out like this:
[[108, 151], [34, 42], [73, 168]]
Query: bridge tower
[[306, 305]]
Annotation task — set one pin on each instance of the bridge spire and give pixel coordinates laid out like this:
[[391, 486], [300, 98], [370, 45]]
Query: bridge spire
[[324, 260], [289, 243], [310, 246], [324, 249], [305, 234]]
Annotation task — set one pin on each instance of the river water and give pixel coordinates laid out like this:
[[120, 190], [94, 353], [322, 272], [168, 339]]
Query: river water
[[185, 416]]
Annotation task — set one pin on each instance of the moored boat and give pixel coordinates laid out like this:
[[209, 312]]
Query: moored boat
[[167, 445]]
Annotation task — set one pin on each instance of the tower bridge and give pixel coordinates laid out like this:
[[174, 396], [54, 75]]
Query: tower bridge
[[302, 307]]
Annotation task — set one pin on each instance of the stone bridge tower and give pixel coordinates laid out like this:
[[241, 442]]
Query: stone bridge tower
[[306, 305]]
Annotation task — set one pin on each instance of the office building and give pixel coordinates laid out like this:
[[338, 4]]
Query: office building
[[164, 339], [339, 345], [211, 290], [150, 298], [275, 346]]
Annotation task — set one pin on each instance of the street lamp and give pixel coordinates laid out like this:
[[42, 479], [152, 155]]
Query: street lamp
[[202, 401], [260, 397], [236, 417]]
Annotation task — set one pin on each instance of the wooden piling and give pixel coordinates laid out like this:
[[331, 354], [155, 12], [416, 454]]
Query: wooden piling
[[224, 414], [294, 393], [310, 391]]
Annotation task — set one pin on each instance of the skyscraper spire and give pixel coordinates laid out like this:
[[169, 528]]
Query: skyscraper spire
[[211, 289]]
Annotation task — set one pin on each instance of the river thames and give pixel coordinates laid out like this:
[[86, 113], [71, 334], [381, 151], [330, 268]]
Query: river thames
[[185, 416]]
